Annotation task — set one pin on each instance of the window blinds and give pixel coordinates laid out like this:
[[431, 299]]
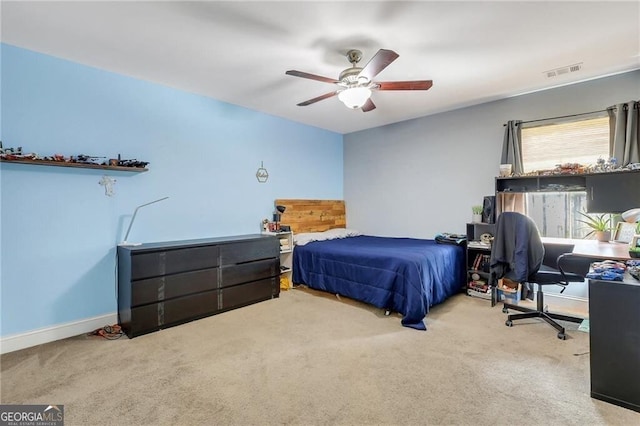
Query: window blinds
[[583, 141]]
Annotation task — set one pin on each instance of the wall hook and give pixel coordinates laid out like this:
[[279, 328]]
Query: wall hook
[[108, 183]]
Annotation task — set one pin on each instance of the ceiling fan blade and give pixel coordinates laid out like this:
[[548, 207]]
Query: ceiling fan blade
[[405, 85], [319, 98], [311, 76], [380, 61], [368, 106]]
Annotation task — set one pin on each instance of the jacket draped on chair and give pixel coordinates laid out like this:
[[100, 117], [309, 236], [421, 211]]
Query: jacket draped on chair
[[517, 250]]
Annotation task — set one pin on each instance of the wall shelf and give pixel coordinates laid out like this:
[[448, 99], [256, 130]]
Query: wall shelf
[[610, 192], [76, 165]]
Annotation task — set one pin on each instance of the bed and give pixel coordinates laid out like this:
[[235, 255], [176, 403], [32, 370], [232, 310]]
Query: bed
[[404, 275]]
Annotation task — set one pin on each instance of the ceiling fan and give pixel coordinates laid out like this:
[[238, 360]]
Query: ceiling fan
[[355, 83]]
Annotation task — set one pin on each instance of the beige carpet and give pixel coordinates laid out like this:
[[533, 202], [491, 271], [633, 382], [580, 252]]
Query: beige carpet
[[310, 359]]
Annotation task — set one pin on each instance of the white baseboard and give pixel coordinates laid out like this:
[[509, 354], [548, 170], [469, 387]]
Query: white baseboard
[[56, 332], [567, 300], [559, 302]]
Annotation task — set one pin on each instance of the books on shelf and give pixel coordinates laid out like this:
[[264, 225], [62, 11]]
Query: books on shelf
[[479, 244], [479, 285], [477, 293], [284, 244], [481, 263]]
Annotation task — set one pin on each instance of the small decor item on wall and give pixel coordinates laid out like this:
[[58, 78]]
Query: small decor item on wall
[[262, 174], [108, 183]]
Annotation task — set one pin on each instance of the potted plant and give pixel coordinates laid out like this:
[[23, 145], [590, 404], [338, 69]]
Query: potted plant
[[477, 214], [600, 225]]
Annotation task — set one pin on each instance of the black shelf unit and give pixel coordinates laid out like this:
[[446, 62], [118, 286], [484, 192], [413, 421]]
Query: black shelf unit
[[477, 261]]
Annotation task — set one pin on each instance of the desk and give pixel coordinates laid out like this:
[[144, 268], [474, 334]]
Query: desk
[[593, 249], [614, 340], [614, 335]]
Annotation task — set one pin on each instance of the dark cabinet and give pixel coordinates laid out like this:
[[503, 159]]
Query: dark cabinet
[[607, 192], [613, 192], [553, 183], [614, 334], [165, 284]]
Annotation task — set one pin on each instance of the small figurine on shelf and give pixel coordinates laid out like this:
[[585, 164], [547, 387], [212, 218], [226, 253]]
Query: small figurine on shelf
[[133, 163], [88, 159]]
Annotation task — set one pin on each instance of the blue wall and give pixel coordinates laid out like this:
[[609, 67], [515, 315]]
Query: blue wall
[[59, 229]]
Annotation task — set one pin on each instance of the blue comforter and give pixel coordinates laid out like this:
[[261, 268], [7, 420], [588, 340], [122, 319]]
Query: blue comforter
[[403, 275]]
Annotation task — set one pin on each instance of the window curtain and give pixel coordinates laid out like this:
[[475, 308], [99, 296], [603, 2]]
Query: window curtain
[[512, 146], [510, 202], [624, 138]]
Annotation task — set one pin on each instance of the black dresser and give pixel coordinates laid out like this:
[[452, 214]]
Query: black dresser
[[614, 323], [165, 284]]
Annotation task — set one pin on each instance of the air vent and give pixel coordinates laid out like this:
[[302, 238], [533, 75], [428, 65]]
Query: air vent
[[563, 70], [576, 67]]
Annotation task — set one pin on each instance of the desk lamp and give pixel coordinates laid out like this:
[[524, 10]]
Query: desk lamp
[[124, 242], [631, 216], [277, 216]]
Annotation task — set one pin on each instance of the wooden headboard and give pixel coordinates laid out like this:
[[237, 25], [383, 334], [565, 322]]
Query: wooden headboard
[[312, 215]]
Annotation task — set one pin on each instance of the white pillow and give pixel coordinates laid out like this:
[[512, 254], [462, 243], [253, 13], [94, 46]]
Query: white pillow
[[341, 233], [307, 237], [331, 234]]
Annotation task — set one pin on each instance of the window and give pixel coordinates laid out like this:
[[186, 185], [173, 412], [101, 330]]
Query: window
[[544, 146], [556, 213], [583, 141]]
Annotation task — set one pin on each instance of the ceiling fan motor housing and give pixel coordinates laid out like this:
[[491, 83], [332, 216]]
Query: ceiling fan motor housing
[[350, 75]]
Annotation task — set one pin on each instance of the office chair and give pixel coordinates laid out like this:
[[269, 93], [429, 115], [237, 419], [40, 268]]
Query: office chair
[[518, 254]]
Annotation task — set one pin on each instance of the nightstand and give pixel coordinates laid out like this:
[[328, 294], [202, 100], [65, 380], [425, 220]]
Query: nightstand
[[286, 254]]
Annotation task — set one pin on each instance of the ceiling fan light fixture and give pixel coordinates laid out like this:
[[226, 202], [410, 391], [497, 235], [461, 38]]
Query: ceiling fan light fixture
[[354, 97], [355, 83]]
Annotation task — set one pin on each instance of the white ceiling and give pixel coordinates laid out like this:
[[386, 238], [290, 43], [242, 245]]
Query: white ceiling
[[238, 52]]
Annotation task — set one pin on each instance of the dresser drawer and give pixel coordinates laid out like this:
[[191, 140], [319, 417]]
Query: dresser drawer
[[146, 265], [170, 286], [252, 271], [245, 294], [145, 319], [241, 252]]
